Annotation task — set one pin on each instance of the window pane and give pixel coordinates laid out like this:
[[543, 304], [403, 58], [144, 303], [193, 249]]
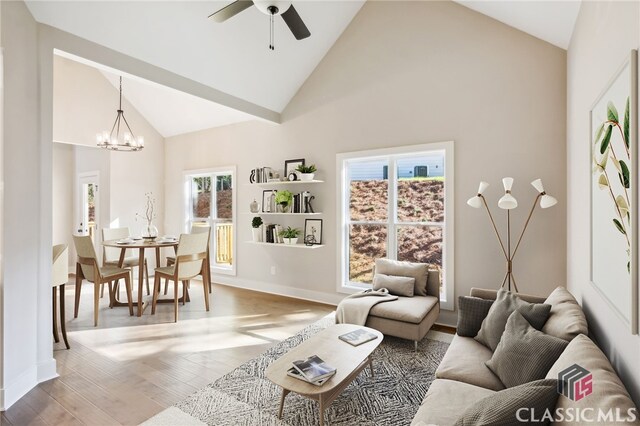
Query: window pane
[[366, 244], [421, 189], [420, 244], [224, 197], [201, 196], [369, 190], [224, 244]]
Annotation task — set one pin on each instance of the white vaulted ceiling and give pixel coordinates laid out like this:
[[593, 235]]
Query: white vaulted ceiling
[[232, 56]]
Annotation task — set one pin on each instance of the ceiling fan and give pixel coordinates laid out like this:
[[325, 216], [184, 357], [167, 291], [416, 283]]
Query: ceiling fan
[[271, 8]]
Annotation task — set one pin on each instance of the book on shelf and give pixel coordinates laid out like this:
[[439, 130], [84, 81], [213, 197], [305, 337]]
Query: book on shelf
[[357, 337], [295, 373], [314, 368]]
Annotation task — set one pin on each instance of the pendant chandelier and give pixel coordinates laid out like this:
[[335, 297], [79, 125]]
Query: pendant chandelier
[[117, 140]]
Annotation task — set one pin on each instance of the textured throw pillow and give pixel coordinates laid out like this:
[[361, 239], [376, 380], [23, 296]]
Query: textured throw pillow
[[513, 406], [418, 271], [506, 302], [513, 362], [471, 312], [566, 319], [400, 286]]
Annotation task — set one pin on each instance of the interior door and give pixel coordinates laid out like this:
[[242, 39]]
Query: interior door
[[87, 220]]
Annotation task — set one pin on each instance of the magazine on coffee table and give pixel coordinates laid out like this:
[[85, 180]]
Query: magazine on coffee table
[[314, 368], [295, 373], [357, 337]]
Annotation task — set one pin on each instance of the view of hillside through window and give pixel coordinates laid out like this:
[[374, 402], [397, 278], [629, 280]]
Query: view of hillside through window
[[401, 218]]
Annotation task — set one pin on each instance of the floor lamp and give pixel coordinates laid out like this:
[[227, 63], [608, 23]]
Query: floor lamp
[[508, 202]]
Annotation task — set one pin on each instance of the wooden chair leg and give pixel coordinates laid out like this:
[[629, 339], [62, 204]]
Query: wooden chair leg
[[63, 326], [101, 290], [127, 283], [185, 287], [156, 293], [112, 295], [146, 271], [166, 286], [78, 289], [56, 338], [175, 300], [96, 302], [206, 295]]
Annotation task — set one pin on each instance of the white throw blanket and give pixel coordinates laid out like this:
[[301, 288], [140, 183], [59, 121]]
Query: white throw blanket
[[355, 308]]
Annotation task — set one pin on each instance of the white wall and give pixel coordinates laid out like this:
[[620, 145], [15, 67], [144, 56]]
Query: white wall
[[604, 34], [25, 304], [406, 73], [63, 183]]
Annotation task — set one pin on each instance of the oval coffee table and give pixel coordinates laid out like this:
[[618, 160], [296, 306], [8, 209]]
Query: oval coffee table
[[348, 361]]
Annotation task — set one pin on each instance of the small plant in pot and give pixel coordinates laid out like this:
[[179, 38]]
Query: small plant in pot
[[306, 172], [290, 235], [256, 229], [283, 200]]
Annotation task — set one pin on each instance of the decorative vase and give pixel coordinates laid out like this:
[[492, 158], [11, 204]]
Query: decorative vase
[[307, 176], [254, 207], [282, 208], [257, 234], [149, 231], [290, 241]]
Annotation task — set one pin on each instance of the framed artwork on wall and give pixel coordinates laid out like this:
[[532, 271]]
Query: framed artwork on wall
[[312, 231], [614, 189], [291, 165]]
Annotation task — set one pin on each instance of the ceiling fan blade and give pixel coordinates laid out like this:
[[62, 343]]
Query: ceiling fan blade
[[230, 10], [295, 24]]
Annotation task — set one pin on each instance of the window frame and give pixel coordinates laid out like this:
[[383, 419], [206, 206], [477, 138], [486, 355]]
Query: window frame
[[187, 210], [343, 285]]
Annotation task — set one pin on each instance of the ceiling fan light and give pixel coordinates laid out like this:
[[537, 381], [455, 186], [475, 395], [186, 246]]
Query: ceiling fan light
[[507, 202], [547, 201], [264, 5], [475, 202]]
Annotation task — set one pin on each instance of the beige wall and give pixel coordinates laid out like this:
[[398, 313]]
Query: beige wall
[[63, 183], [604, 34], [407, 73], [84, 103]]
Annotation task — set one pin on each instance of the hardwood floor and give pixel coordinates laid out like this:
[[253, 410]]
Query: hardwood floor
[[128, 368]]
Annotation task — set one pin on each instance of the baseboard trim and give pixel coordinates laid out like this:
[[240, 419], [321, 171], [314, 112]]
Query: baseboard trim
[[18, 388], [280, 290], [47, 370]]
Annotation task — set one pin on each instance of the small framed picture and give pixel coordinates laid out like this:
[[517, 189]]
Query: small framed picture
[[291, 166], [268, 201], [312, 231]]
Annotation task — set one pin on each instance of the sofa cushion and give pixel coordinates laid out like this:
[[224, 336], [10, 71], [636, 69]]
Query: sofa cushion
[[419, 271], [471, 312], [608, 392], [445, 400], [496, 320], [566, 319], [406, 309], [513, 406], [400, 286], [512, 361], [465, 362]]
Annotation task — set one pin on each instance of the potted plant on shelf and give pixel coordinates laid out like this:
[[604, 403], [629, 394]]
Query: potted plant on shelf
[[306, 172], [283, 200], [290, 235], [256, 225]]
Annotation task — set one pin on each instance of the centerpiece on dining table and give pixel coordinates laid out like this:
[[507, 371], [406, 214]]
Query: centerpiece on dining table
[[149, 231]]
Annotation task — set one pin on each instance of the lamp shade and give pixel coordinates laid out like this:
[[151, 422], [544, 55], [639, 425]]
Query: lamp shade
[[507, 202], [547, 201], [482, 187], [475, 202], [507, 183], [537, 184]]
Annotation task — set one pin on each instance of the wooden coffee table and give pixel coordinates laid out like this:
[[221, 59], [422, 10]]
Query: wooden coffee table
[[348, 360]]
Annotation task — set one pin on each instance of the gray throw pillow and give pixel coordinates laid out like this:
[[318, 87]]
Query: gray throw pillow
[[514, 406], [471, 312], [400, 286], [419, 271], [507, 302], [524, 353]]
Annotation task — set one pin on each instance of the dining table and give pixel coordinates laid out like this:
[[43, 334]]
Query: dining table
[[141, 245]]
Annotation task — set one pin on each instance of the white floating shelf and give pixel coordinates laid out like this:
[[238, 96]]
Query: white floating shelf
[[295, 246], [285, 182], [284, 214]]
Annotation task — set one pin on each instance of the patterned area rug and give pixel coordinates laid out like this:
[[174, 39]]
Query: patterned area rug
[[246, 397]]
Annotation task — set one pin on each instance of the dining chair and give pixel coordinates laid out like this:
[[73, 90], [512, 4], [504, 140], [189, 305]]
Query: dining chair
[[60, 276], [196, 228], [190, 262], [87, 267], [111, 255]]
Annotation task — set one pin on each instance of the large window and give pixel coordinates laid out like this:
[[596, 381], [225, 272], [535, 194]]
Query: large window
[[396, 203], [210, 199]]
